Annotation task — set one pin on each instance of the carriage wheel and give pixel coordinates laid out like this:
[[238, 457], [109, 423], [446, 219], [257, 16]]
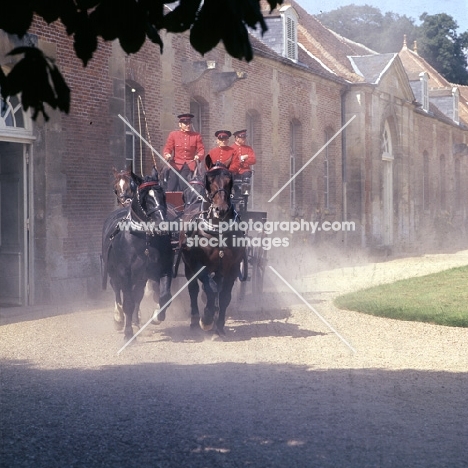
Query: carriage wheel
[[244, 267], [176, 262], [258, 271]]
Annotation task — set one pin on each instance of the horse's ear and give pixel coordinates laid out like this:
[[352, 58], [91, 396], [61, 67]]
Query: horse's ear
[[115, 171], [155, 174], [208, 162], [137, 179]]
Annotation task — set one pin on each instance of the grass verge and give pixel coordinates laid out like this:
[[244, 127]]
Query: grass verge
[[439, 298]]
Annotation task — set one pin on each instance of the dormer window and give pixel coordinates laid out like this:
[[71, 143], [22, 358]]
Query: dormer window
[[424, 91], [456, 98], [290, 18]]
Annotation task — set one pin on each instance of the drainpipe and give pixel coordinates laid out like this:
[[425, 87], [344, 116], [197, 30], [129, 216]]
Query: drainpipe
[[344, 180]]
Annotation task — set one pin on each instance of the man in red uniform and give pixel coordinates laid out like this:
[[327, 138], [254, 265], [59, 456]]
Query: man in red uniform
[[244, 153], [182, 150], [224, 153]]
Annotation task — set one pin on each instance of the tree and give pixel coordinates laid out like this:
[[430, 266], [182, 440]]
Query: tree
[[442, 47], [129, 21], [367, 25]]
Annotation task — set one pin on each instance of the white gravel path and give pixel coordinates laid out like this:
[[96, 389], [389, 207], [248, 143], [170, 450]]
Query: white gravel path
[[282, 390]]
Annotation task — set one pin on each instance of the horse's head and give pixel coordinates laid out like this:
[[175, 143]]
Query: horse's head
[[124, 186], [218, 184], [150, 201]]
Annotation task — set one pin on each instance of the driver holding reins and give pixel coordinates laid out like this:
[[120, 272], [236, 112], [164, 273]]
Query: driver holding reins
[[182, 150]]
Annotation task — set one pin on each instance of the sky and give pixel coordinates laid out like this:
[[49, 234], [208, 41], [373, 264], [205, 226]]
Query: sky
[[458, 9]]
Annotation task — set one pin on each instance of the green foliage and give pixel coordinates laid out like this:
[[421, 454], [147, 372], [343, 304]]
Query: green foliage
[[437, 38], [440, 298], [129, 21], [367, 25], [441, 46]]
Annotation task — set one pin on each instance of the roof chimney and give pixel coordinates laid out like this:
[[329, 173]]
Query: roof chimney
[[404, 41], [415, 47]]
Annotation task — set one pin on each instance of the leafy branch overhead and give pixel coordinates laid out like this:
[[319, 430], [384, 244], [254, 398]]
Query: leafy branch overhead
[[130, 22]]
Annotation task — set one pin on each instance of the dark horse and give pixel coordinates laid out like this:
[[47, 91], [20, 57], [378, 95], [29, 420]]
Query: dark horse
[[134, 249], [124, 186], [203, 245]]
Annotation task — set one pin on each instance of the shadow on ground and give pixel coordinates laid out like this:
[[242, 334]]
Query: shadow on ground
[[231, 415]]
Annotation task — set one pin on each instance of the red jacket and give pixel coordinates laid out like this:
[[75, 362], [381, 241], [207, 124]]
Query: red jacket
[[225, 155], [184, 146], [240, 150]]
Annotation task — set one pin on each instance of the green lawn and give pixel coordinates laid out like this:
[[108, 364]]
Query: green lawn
[[440, 298]]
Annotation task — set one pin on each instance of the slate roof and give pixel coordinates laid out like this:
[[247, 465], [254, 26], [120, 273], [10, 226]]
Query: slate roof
[[372, 67]]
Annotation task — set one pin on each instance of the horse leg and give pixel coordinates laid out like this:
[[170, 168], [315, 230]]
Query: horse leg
[[211, 291], [128, 308], [118, 310], [164, 295], [193, 289], [138, 293], [132, 296], [224, 301]]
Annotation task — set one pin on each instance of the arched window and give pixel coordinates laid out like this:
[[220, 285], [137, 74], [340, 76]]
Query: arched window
[[252, 124], [443, 195], [135, 148], [329, 182], [11, 113], [458, 188], [294, 163], [199, 108], [387, 150], [425, 182]]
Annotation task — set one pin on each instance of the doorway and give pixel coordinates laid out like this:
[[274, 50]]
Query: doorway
[[14, 224]]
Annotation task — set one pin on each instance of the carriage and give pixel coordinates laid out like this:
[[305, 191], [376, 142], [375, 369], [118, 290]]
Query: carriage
[[239, 253]]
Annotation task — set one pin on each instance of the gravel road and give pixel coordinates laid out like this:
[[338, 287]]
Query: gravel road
[[282, 390]]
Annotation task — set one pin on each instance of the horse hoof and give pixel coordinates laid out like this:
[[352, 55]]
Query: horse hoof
[[206, 327], [119, 326], [119, 321], [194, 322], [161, 316], [128, 338]]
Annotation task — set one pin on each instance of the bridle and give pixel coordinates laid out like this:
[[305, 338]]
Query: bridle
[[124, 198], [157, 208]]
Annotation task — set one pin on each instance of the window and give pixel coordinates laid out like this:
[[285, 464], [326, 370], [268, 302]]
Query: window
[[11, 113], [425, 182], [254, 140], [458, 188], [290, 32], [387, 152], [456, 98], [294, 163], [443, 195], [424, 91], [200, 110], [326, 172], [196, 111], [131, 140]]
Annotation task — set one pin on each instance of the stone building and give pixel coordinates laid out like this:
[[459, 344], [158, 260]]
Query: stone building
[[398, 170]]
